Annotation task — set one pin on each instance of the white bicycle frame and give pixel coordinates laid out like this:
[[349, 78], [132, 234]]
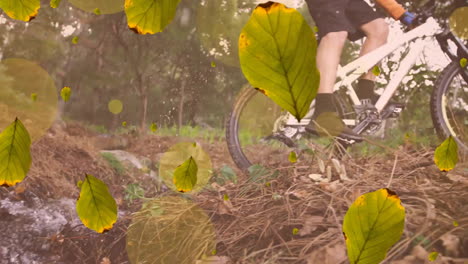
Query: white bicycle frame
[[419, 38]]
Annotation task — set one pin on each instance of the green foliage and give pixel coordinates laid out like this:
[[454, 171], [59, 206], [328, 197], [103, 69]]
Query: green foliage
[[21, 10], [15, 155], [372, 224], [150, 16], [65, 93], [446, 155], [185, 175], [96, 207], [134, 191], [269, 44], [114, 163]]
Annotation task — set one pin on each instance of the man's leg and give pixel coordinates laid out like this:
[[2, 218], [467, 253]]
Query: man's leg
[[328, 58], [325, 113], [376, 35]]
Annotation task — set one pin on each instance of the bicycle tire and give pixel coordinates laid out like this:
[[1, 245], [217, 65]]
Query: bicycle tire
[[232, 127], [441, 87]]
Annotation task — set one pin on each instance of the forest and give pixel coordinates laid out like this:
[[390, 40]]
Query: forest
[[117, 132]]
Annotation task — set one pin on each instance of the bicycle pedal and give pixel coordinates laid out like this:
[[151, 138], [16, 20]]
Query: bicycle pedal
[[394, 109]]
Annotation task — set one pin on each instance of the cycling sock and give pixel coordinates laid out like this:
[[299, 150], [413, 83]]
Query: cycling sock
[[324, 103], [365, 89]]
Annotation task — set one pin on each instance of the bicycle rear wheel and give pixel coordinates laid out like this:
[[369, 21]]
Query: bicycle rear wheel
[[449, 105]]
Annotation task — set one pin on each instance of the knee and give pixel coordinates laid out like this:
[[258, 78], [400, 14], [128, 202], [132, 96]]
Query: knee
[[335, 37], [379, 30]]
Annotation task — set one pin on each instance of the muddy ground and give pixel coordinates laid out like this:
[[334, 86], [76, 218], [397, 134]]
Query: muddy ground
[[38, 223]]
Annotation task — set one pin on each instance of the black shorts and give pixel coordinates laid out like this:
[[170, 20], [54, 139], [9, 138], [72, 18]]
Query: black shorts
[[341, 15]]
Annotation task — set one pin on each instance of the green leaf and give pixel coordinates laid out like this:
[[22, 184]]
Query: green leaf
[[65, 93], [15, 155], [149, 16], [376, 70], [433, 256], [185, 175], [96, 207], [295, 231], [463, 62], [446, 155], [153, 127], [34, 97], [55, 3], [97, 11], [292, 157], [372, 224], [21, 10], [277, 51], [75, 40]]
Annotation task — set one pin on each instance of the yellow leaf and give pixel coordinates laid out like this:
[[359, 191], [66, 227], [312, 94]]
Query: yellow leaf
[[446, 155], [433, 256]]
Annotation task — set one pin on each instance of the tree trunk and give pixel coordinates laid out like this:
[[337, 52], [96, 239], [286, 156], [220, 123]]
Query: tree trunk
[[181, 106], [144, 103]]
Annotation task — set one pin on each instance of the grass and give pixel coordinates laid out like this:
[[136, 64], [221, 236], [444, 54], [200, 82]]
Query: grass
[[114, 163]]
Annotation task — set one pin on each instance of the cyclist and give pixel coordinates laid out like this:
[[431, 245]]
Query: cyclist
[[336, 21]]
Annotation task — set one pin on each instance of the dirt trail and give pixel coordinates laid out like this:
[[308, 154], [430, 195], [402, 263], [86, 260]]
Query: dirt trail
[[255, 225]]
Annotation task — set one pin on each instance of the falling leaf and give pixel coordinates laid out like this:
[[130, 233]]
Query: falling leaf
[[185, 175], [115, 106], [96, 207], [225, 197], [463, 62], [97, 11], [153, 127], [124, 123], [65, 93], [295, 231], [34, 97], [376, 70], [15, 155], [455, 223], [75, 40], [149, 16], [213, 64], [383, 226], [55, 3], [433, 256], [292, 157], [276, 69], [446, 155], [21, 10]]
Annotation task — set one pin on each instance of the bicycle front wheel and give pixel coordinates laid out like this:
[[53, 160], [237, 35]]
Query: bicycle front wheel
[[449, 105]]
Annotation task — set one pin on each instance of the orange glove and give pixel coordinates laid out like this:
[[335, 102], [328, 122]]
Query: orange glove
[[392, 7]]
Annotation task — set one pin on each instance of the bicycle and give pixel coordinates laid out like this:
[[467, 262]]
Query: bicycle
[[449, 104]]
